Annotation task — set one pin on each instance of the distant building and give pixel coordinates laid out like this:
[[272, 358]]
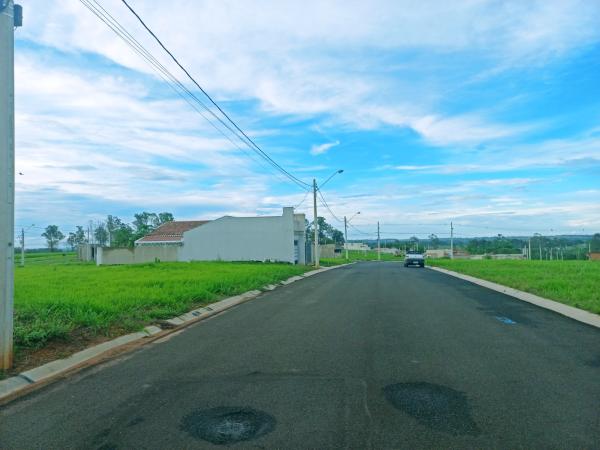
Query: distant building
[[330, 251], [87, 252], [272, 238], [356, 246], [437, 253]]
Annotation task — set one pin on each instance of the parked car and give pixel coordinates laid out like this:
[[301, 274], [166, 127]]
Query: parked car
[[413, 257]]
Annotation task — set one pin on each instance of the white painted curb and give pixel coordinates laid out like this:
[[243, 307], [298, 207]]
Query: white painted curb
[[569, 311], [11, 387]]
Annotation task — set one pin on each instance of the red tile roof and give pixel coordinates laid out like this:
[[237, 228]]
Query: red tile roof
[[172, 231]]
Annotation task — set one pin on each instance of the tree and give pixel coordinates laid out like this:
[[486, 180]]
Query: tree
[[101, 235], [414, 243], [337, 236], [77, 238], [165, 217], [71, 241], [122, 236], [146, 222], [112, 225], [595, 243], [53, 236], [434, 241], [327, 233]]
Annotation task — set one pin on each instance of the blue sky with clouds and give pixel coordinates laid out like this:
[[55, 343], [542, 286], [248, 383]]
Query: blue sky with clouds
[[484, 113]]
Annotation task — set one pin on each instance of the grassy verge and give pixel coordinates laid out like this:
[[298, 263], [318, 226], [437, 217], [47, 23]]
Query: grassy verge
[[47, 258], [60, 302], [575, 283], [358, 255]]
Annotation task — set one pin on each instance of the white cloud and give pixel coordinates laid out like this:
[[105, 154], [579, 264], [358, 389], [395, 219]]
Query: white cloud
[[312, 58], [322, 148]]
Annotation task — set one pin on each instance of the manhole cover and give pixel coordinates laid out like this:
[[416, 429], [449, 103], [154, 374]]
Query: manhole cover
[[227, 425], [435, 406]]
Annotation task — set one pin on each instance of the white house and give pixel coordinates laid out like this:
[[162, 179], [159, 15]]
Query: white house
[[268, 238]]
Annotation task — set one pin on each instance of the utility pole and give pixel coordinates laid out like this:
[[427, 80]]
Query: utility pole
[[10, 17], [378, 243], [346, 236], [22, 247], [529, 251], [451, 241], [316, 223]]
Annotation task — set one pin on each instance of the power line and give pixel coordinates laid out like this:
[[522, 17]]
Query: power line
[[248, 140], [172, 81], [324, 203]]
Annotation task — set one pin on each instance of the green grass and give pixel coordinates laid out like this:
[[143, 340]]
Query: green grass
[[358, 255], [47, 258], [575, 283], [58, 301]]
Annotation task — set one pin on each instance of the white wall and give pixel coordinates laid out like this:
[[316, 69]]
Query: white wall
[[245, 239], [137, 255]]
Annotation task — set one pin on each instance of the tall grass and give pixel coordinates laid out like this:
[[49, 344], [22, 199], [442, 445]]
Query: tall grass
[[55, 301], [575, 283]]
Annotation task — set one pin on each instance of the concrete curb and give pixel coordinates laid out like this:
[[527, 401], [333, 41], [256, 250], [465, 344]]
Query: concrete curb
[[29, 380], [569, 311]]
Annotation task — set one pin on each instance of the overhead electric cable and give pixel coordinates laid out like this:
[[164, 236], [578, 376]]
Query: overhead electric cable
[[247, 138], [324, 202], [174, 83]]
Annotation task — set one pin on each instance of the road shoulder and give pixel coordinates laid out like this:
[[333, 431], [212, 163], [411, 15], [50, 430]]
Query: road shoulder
[[560, 308]]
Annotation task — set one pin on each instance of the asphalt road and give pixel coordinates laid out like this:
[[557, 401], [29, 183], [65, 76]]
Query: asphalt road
[[372, 355]]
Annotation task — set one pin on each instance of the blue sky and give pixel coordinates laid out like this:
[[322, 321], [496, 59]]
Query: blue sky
[[484, 113]]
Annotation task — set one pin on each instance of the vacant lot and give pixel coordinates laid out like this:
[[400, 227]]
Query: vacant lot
[[358, 255], [47, 258], [575, 283], [61, 301]]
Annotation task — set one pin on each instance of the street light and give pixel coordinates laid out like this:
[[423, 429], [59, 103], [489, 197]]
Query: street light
[[346, 222], [316, 222]]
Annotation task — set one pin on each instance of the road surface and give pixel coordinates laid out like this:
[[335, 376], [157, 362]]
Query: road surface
[[372, 355]]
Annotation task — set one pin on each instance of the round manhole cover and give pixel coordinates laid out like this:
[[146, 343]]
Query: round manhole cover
[[227, 425]]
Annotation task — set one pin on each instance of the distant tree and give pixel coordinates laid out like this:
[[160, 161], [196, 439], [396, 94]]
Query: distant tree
[[80, 236], [327, 233], [164, 217], [101, 235], [595, 243], [414, 243], [53, 236], [71, 241], [337, 236], [112, 224], [434, 241], [123, 236], [146, 222]]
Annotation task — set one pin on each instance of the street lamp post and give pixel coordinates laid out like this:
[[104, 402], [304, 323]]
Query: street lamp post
[[316, 221]]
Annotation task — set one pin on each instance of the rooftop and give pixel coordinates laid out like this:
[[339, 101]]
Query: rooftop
[[171, 231]]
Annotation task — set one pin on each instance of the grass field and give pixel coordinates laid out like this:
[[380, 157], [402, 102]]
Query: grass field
[[58, 299], [47, 258], [358, 255], [575, 283]]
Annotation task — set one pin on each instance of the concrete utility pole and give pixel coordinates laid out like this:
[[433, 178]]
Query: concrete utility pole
[[22, 247], [378, 243], [8, 21], [346, 222], [346, 236], [316, 223], [529, 251], [451, 241]]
